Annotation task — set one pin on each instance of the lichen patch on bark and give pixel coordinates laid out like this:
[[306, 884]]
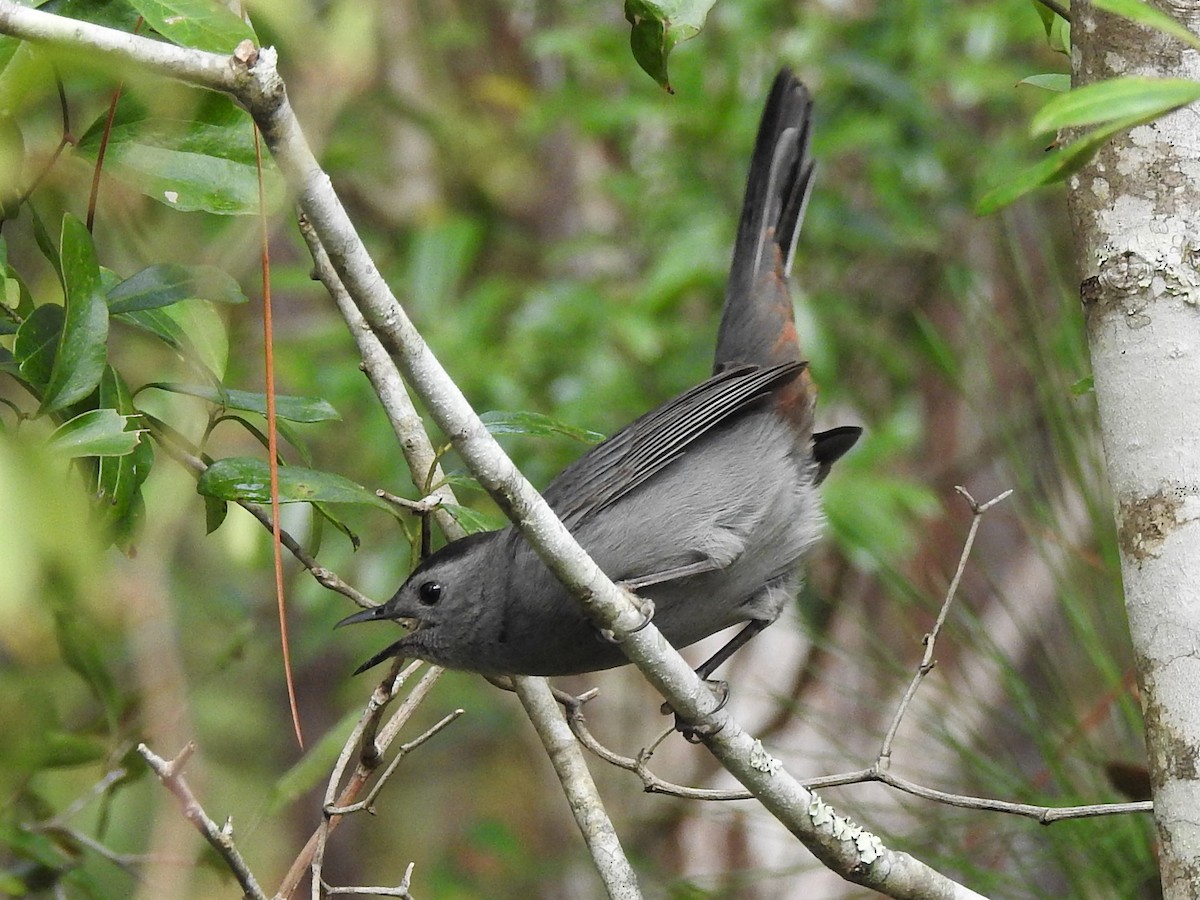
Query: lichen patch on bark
[[1144, 523]]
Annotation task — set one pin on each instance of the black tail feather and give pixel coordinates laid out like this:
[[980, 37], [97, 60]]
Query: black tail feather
[[757, 324]]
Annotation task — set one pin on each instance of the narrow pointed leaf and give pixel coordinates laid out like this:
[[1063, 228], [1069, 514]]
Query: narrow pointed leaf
[[248, 479], [82, 349], [1057, 164], [472, 520], [1053, 81], [499, 422], [119, 479], [1132, 97], [294, 409], [162, 285]]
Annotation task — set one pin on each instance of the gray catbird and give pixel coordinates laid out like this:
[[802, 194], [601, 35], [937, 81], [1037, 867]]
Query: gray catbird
[[704, 505]]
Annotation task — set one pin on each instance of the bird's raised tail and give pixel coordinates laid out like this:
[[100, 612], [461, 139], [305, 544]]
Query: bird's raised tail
[[757, 325]]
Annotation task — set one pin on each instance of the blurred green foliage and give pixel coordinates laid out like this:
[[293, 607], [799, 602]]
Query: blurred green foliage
[[559, 229]]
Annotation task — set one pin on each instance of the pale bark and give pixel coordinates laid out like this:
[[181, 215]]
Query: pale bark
[[1136, 213]]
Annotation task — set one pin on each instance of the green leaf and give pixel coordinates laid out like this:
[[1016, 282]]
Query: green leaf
[[206, 164], [294, 409], [16, 294], [1059, 36], [12, 164], [82, 349], [325, 514], [41, 237], [1057, 165], [215, 512], [1145, 14], [162, 285], [658, 27], [97, 432], [199, 24], [1130, 97], [1054, 81], [120, 478], [192, 327], [245, 478], [472, 520], [499, 422], [62, 749], [36, 343]]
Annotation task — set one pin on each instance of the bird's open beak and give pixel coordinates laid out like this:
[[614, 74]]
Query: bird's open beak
[[386, 653], [364, 615], [411, 623], [376, 613]]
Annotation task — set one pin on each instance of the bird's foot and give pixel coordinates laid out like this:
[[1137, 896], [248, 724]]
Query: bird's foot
[[645, 606], [696, 734]]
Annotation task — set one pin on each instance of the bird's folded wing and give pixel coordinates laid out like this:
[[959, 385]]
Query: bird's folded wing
[[651, 443]]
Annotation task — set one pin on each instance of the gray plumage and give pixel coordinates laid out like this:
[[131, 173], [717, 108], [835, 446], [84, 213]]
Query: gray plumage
[[705, 505]]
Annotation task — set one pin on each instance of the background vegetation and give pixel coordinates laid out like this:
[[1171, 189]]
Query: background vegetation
[[559, 229]]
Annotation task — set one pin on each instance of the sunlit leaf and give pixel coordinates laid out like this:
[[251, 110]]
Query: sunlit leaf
[[97, 432], [1132, 97], [199, 24]]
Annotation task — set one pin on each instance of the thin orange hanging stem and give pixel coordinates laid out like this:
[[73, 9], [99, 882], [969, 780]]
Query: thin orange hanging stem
[[273, 444]]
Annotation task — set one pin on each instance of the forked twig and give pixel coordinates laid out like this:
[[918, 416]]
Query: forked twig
[[220, 838], [927, 660]]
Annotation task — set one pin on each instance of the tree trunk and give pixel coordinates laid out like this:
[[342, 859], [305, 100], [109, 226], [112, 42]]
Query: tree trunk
[[1136, 215]]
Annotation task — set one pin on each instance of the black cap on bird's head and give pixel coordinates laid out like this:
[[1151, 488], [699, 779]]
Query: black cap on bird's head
[[418, 605]]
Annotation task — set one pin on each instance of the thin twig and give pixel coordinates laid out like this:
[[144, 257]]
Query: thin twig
[[373, 741], [368, 802], [1046, 815], [927, 660], [400, 890], [220, 838], [126, 861]]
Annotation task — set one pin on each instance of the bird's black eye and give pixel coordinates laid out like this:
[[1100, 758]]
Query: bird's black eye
[[429, 592]]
